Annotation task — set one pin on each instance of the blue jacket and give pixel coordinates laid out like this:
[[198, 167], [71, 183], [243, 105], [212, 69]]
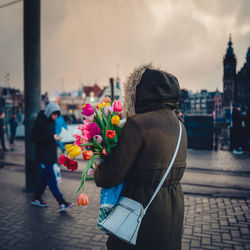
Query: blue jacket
[[60, 123]]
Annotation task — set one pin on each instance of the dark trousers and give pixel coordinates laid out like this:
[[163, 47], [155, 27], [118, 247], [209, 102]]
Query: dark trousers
[[12, 137], [48, 178], [2, 139]]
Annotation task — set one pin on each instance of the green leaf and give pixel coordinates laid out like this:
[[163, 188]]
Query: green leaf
[[88, 144], [108, 149], [98, 119], [97, 144], [109, 119], [116, 139], [105, 119], [85, 171]]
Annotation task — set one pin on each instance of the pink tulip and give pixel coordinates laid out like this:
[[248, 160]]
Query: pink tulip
[[89, 118], [98, 138], [91, 171], [87, 134], [84, 126], [117, 106], [80, 139], [85, 129], [108, 109], [94, 129]]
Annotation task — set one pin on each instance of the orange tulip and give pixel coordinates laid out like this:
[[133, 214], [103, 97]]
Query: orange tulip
[[87, 155], [82, 199], [106, 99]]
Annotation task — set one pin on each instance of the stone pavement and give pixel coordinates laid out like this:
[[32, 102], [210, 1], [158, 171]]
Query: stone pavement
[[210, 223], [217, 174], [202, 160]]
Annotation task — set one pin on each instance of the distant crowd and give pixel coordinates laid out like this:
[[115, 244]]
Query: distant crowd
[[13, 122]]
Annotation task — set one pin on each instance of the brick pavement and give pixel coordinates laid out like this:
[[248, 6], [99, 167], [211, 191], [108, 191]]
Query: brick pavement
[[210, 223]]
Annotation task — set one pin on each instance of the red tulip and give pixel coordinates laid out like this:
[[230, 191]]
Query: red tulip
[[110, 134], [69, 163], [104, 152]]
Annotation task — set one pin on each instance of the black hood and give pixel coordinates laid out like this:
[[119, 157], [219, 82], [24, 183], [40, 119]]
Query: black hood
[[148, 88], [157, 89]]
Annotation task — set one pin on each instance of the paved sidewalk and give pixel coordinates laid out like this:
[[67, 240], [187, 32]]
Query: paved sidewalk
[[217, 174], [210, 223], [202, 160]]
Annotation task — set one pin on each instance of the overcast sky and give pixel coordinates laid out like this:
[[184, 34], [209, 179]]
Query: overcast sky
[[85, 40]]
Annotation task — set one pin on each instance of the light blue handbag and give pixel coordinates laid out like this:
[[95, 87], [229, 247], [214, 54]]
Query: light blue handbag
[[125, 219]]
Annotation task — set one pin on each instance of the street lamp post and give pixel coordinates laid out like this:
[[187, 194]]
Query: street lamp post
[[32, 85], [112, 88]]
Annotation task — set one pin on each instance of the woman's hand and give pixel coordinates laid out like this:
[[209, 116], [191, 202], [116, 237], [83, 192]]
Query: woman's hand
[[56, 137]]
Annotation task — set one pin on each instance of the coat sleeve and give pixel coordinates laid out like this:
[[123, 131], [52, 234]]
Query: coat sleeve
[[117, 164], [41, 135]]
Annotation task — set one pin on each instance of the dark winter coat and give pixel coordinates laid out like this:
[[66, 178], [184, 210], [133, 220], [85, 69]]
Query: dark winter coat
[[142, 156], [2, 125], [236, 118], [42, 135]]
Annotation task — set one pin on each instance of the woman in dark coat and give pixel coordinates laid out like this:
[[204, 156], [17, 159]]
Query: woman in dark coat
[[142, 156]]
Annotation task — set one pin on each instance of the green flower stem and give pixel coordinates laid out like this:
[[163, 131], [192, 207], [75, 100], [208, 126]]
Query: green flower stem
[[85, 171], [99, 120], [87, 144]]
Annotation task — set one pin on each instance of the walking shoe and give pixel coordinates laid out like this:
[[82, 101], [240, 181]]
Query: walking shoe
[[39, 203], [237, 152], [65, 205]]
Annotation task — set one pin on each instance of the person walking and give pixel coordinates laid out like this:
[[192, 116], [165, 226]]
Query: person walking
[[247, 124], [2, 130], [13, 125], [237, 130], [144, 151], [44, 136], [60, 123]]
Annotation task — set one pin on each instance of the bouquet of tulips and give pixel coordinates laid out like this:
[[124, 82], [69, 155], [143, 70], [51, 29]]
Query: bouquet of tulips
[[97, 136]]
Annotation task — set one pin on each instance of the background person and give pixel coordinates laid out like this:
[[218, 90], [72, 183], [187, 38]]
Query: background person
[[13, 125], [237, 125], [2, 130], [44, 136], [247, 124], [145, 148], [60, 123]]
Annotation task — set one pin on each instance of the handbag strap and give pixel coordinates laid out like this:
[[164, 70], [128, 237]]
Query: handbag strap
[[168, 170]]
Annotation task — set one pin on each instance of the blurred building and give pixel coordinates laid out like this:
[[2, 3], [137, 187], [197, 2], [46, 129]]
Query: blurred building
[[116, 89], [236, 86], [71, 107], [201, 103], [11, 101], [92, 93], [243, 83], [71, 102]]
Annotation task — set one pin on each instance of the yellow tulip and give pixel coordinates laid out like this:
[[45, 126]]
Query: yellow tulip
[[106, 104], [115, 120], [100, 105], [73, 150], [68, 147]]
